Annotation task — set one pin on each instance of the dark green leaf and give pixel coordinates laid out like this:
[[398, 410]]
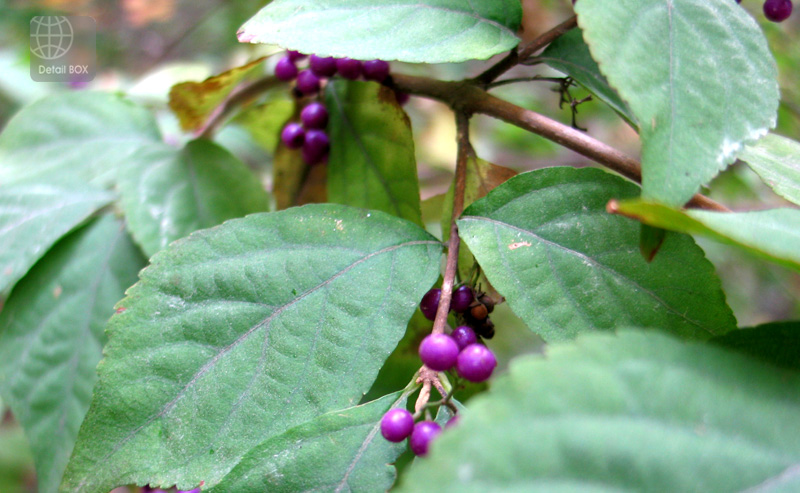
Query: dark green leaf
[[240, 332], [372, 163], [168, 193], [34, 216], [773, 234], [697, 74], [776, 159], [570, 55], [428, 31], [338, 451], [565, 266], [634, 412], [777, 343], [51, 336], [80, 136]]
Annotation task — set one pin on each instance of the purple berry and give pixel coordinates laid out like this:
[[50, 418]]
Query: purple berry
[[402, 97], [397, 425], [348, 68], [316, 146], [285, 69], [314, 115], [452, 421], [777, 10], [439, 352], [322, 67], [430, 303], [293, 135], [376, 70], [476, 363], [295, 55], [307, 82], [422, 436], [462, 298], [464, 336]]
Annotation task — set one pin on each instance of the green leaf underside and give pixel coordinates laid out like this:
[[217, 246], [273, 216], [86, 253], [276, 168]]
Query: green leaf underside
[[75, 136], [565, 266], [51, 336], [570, 55], [776, 159], [339, 451], [699, 77], [634, 412], [34, 216], [372, 163], [168, 193], [426, 31], [773, 234], [237, 333], [777, 343]]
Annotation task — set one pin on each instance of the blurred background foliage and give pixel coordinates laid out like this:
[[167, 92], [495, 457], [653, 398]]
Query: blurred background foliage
[[146, 46]]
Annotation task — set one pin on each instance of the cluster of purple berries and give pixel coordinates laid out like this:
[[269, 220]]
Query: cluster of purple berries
[[398, 424], [777, 10], [309, 135], [471, 308]]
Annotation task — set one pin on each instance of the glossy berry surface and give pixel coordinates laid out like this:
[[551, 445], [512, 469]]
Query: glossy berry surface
[[439, 352], [322, 67], [397, 425], [307, 82], [430, 303], [285, 69], [777, 10], [422, 436], [376, 70], [316, 146], [348, 68], [462, 298], [295, 55], [476, 363], [464, 336], [315, 115], [293, 135]]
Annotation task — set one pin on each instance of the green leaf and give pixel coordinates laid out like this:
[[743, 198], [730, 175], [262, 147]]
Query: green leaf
[[80, 136], [240, 332], [265, 121], [426, 31], [34, 216], [697, 74], [565, 266], [570, 55], [777, 343], [772, 234], [634, 412], [16, 463], [776, 159], [169, 193], [372, 162], [338, 451], [51, 337]]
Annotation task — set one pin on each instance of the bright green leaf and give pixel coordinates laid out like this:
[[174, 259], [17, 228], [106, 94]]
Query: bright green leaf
[[634, 412], [697, 74], [427, 31], [34, 216], [265, 121], [240, 332], [80, 136], [565, 266], [372, 163], [777, 343], [51, 337], [570, 55], [772, 234], [776, 159], [339, 451], [168, 193]]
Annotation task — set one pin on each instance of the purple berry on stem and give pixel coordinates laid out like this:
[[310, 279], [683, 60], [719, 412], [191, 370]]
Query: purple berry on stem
[[777, 10], [430, 303], [307, 82], [376, 70], [439, 352], [462, 298], [293, 135], [314, 115], [397, 425], [322, 67], [464, 336], [422, 436], [295, 55], [316, 146], [348, 68], [285, 69], [476, 363]]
